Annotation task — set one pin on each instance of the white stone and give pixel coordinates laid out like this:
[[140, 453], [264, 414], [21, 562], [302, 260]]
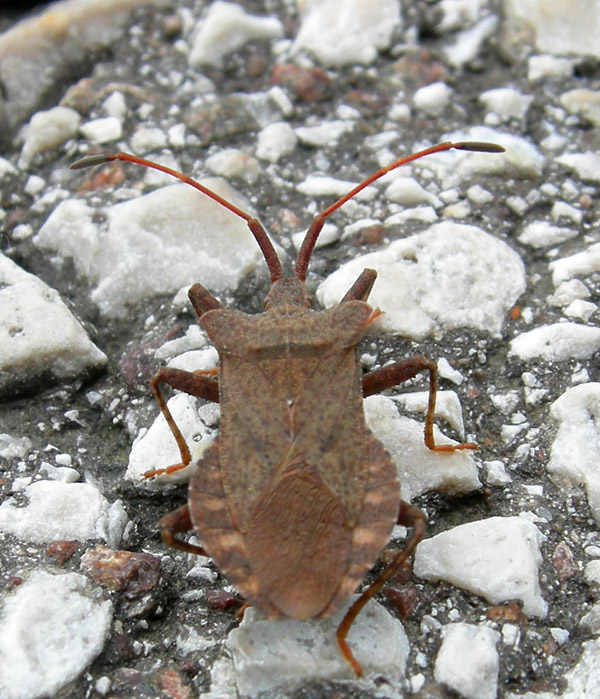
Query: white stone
[[561, 27], [49, 199], [449, 276], [225, 28], [517, 205], [575, 451], [325, 133], [222, 679], [399, 113], [380, 140], [480, 196], [357, 226], [506, 102], [156, 447], [468, 661], [328, 235], [195, 360], [497, 558], [193, 342], [557, 342], [592, 572], [562, 211], [176, 135], [60, 473], [280, 97], [103, 685], [433, 98], [38, 333], [69, 511], [457, 14], [13, 447], [275, 141], [569, 291], [505, 402], [51, 628], [21, 231], [79, 237], [447, 371], [457, 210], [545, 66], [425, 214], [419, 469], [146, 139], [590, 622], [115, 105], [34, 185], [580, 264], [408, 192], [541, 234], [549, 190], [193, 339], [561, 636], [581, 310], [323, 186], [46, 130], [496, 473], [584, 102], [468, 42], [346, 33], [232, 162], [270, 654], [586, 165], [155, 244], [103, 130]]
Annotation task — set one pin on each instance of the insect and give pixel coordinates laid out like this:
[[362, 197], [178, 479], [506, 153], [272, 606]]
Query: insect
[[296, 498]]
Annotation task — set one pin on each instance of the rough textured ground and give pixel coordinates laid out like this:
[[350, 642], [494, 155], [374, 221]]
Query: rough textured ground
[[166, 632]]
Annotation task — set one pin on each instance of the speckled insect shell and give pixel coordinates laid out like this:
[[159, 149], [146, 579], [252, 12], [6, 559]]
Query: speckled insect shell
[[296, 499]]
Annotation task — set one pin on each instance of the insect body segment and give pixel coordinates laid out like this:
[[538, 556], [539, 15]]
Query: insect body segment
[[296, 498]]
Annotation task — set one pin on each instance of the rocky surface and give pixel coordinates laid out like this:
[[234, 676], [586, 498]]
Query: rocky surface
[[488, 264]]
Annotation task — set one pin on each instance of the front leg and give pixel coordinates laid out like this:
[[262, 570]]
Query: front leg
[[396, 373], [201, 384]]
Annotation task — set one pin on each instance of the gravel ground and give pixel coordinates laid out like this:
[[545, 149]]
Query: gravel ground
[[487, 262]]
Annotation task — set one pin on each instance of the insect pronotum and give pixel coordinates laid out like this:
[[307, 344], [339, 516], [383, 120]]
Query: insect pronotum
[[296, 498]]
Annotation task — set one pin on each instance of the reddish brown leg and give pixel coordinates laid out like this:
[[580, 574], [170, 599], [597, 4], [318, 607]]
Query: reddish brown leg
[[400, 371], [177, 522], [409, 516], [195, 384]]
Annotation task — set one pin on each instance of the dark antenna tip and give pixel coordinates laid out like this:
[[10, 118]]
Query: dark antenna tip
[[89, 161], [479, 146]]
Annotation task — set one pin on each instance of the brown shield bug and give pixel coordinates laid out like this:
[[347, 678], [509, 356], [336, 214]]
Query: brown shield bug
[[296, 498]]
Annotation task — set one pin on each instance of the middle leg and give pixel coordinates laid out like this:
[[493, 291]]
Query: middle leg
[[402, 370]]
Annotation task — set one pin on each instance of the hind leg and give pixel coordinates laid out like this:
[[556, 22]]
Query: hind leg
[[177, 522], [409, 516]]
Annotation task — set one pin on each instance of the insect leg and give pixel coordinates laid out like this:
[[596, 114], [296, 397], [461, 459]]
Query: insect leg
[[177, 522], [408, 516], [195, 384], [402, 370]]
